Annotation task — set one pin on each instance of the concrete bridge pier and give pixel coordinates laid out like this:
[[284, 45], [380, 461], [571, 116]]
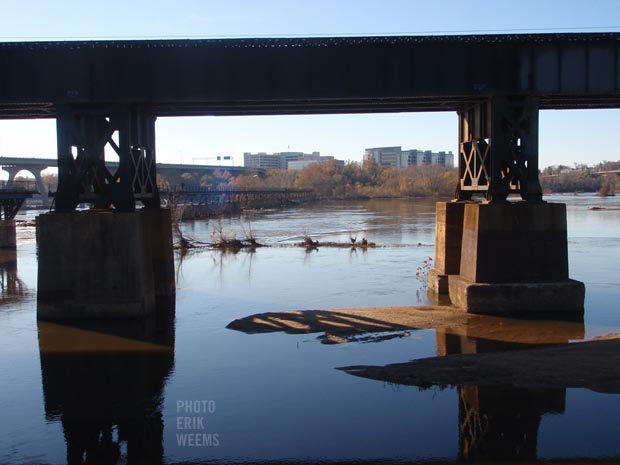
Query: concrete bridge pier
[[496, 256], [111, 261], [104, 264], [509, 257]]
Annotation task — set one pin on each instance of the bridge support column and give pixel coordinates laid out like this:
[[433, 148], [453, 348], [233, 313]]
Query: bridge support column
[[112, 261], [104, 264], [448, 237], [497, 256], [514, 259], [12, 170]]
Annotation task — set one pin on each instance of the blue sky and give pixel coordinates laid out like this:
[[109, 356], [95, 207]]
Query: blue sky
[[566, 137]]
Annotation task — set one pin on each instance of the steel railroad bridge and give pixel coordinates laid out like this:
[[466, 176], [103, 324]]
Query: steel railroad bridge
[[102, 265], [496, 83], [109, 93]]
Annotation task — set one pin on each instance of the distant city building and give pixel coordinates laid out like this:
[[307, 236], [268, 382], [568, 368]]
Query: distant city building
[[305, 162], [261, 160], [395, 157], [282, 160], [385, 156]]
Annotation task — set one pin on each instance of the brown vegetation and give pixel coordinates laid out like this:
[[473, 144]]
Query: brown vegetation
[[351, 180], [570, 182], [563, 179]]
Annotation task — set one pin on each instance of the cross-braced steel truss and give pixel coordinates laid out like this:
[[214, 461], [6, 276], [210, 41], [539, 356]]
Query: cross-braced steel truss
[[83, 177], [498, 150]]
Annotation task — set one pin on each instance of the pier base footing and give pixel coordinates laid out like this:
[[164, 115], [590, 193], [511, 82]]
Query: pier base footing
[[517, 298], [438, 282], [509, 257], [103, 264]]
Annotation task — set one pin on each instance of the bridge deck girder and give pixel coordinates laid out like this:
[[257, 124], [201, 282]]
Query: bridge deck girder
[[310, 75]]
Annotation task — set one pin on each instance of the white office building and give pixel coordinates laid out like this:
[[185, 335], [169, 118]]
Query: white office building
[[282, 160], [395, 157], [278, 160]]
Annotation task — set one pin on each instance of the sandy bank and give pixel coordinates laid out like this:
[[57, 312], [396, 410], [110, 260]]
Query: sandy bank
[[342, 325], [544, 358]]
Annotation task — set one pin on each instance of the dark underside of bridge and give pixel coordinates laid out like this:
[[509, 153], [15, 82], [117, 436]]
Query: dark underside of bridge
[[309, 75]]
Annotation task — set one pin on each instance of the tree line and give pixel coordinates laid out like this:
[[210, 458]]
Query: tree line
[[334, 180], [581, 178], [351, 180]]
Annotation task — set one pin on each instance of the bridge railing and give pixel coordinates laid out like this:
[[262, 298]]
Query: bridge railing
[[19, 186], [198, 189]]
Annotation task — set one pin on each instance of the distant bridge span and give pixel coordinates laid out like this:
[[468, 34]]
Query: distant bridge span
[[27, 162], [13, 165]]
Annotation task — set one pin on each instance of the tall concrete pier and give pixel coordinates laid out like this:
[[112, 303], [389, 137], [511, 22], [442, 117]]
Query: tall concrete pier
[[112, 261], [494, 255]]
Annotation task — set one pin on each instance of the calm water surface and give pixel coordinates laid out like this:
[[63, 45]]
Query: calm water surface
[[193, 391]]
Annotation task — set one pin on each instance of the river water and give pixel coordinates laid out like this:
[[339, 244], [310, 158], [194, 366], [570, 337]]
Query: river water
[[193, 391]]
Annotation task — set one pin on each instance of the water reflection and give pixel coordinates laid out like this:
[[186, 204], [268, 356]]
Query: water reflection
[[501, 422], [104, 381], [280, 396], [11, 287]]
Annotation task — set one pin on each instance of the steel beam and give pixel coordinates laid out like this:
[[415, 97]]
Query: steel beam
[[310, 75]]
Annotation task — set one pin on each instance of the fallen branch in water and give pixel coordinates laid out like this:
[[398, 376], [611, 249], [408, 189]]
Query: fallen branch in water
[[236, 244], [185, 243], [309, 244]]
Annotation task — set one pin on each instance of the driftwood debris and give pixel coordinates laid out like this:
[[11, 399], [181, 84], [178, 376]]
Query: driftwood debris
[[310, 244]]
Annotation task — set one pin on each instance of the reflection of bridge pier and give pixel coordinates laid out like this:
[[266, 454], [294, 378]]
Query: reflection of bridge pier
[[11, 287], [500, 422], [105, 384]]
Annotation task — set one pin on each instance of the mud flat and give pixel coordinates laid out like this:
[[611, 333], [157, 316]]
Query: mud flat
[[547, 354], [594, 365]]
